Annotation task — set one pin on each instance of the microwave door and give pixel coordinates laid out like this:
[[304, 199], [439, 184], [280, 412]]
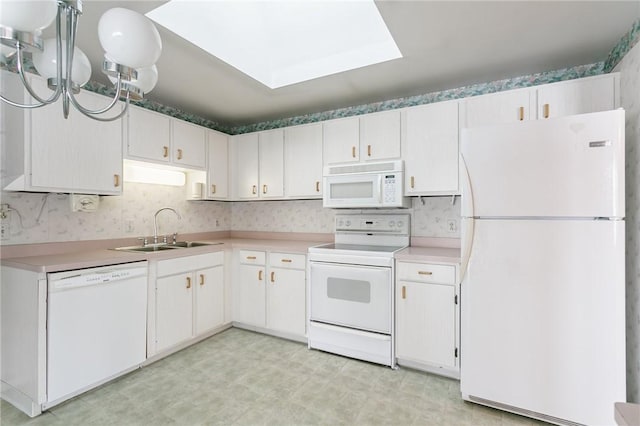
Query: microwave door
[[353, 191]]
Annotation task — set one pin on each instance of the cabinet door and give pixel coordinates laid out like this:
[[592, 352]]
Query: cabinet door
[[149, 135], [286, 301], [498, 108], [577, 97], [426, 323], [218, 167], [77, 154], [209, 298], [303, 161], [189, 144], [249, 295], [245, 165], [341, 140], [271, 164], [430, 149], [174, 310], [380, 135]]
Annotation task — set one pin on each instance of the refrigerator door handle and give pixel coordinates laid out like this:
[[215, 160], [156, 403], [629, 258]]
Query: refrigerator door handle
[[467, 222]]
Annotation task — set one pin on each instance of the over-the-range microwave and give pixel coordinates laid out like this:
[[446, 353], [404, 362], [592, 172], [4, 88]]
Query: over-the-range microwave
[[365, 185]]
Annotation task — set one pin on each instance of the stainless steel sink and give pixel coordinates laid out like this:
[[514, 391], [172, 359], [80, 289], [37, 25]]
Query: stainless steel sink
[[146, 248], [192, 244], [161, 247]]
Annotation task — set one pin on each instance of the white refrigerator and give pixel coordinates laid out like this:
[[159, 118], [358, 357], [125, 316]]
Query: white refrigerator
[[543, 258]]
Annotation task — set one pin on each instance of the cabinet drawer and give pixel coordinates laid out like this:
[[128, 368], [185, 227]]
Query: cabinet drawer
[[252, 257], [189, 263], [427, 272], [287, 260]]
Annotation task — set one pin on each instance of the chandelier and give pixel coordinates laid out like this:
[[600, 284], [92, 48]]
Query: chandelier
[[131, 42]]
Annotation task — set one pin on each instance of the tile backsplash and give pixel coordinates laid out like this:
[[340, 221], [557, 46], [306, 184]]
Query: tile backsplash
[[131, 215]]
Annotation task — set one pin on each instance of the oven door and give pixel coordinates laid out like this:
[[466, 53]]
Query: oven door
[[354, 296]]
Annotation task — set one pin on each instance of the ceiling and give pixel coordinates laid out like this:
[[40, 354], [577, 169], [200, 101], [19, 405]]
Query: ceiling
[[445, 44]]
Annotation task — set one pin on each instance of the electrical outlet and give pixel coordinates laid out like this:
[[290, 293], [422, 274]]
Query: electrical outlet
[[452, 225], [5, 229], [129, 226], [217, 223]]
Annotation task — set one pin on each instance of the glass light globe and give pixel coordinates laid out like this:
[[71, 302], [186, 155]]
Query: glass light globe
[[47, 64], [27, 16], [129, 38], [146, 81]]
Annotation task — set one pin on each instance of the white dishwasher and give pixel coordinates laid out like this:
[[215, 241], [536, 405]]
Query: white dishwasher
[[96, 327]]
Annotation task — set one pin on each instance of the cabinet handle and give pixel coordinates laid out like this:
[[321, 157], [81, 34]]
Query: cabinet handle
[[404, 292], [545, 111], [251, 258], [165, 151], [369, 150], [413, 182], [254, 189], [188, 282], [273, 277], [179, 154], [521, 113], [116, 180], [353, 151], [201, 279], [286, 260], [425, 273], [317, 186], [260, 275], [213, 189], [264, 189]]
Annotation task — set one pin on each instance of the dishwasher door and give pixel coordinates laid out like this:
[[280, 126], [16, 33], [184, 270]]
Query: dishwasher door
[[96, 327]]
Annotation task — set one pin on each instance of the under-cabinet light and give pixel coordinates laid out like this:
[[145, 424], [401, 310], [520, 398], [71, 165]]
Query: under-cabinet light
[[144, 174]]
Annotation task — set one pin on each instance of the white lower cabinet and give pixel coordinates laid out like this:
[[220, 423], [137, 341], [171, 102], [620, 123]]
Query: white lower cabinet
[[427, 317], [270, 296], [189, 299]]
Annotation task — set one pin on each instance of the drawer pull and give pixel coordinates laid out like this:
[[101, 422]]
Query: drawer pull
[[201, 279], [188, 282], [251, 258], [404, 292], [273, 277], [425, 273], [260, 275], [286, 260]]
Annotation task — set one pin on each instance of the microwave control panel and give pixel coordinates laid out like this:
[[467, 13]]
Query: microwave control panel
[[389, 185]]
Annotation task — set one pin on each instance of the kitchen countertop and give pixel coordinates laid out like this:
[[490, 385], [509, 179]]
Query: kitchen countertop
[[103, 257], [429, 254]]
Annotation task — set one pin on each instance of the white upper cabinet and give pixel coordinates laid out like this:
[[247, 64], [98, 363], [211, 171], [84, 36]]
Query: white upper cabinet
[[271, 164], [149, 135], [580, 96], [303, 161], [48, 153], [341, 140], [498, 108], [188, 144], [244, 165], [218, 166], [430, 149], [369, 137], [380, 135], [158, 138]]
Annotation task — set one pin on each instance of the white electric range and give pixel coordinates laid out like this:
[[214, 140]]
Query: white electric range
[[351, 287]]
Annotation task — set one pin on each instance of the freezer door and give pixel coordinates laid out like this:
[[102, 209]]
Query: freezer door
[[543, 318], [563, 167]]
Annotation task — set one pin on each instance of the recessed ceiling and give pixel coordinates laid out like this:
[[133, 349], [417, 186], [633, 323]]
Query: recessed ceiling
[[280, 43], [445, 44]]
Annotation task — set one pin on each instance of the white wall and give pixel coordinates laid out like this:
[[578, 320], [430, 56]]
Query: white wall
[[629, 68]]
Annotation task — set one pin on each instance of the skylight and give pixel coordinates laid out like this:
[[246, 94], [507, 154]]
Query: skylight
[[280, 43]]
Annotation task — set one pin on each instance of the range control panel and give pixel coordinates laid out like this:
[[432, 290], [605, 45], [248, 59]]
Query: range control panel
[[392, 224]]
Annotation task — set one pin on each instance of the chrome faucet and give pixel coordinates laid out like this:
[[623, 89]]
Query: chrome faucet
[[155, 222]]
